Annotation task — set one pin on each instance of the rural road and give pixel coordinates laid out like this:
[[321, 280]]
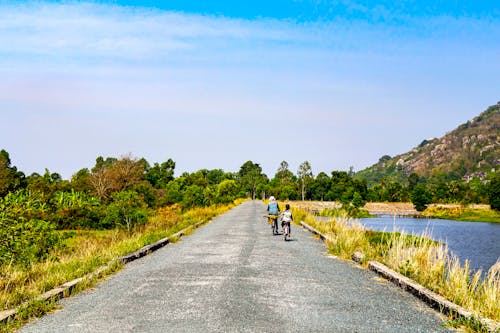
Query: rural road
[[233, 275]]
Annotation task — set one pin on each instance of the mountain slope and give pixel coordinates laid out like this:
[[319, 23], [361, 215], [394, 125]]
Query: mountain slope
[[471, 150]]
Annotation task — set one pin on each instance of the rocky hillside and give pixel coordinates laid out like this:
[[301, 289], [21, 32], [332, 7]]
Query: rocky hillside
[[472, 150]]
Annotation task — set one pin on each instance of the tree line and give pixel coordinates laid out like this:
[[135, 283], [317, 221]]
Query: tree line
[[123, 192], [128, 179]]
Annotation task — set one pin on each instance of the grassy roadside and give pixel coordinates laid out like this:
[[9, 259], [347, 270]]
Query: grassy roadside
[[418, 258], [83, 252]]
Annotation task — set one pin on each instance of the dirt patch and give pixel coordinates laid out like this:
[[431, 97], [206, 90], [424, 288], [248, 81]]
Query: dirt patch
[[391, 207]]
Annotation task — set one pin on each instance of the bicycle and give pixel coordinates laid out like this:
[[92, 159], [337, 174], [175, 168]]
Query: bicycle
[[286, 230], [273, 221]]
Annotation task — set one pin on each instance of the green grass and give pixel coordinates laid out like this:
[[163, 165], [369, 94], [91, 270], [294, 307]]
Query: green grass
[[463, 214], [341, 212]]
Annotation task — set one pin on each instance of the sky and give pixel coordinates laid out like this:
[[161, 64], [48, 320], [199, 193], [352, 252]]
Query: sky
[[213, 84]]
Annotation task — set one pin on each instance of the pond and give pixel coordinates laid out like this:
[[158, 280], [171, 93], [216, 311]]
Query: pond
[[476, 241]]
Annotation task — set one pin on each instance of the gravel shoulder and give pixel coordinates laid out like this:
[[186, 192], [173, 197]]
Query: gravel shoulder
[[233, 275]]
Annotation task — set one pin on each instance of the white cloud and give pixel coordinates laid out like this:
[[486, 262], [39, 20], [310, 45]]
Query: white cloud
[[74, 32], [112, 80]]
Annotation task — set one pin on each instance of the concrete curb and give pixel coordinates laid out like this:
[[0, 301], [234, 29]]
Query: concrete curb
[[65, 289], [431, 298], [314, 231]]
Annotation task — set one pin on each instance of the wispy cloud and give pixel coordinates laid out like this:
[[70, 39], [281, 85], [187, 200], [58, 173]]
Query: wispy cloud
[[75, 32], [147, 81]]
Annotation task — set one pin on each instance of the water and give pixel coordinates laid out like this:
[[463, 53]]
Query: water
[[476, 241]]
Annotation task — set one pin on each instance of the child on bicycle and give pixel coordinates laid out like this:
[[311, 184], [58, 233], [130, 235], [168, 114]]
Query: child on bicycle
[[287, 218]]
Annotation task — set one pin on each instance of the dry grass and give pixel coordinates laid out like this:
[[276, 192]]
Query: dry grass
[[84, 251], [419, 258]]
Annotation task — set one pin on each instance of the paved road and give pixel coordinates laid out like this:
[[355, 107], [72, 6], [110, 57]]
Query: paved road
[[233, 275]]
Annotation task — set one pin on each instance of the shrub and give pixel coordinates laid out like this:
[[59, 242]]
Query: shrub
[[127, 210], [420, 197], [25, 241]]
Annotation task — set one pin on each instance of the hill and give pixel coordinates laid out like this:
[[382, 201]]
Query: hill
[[472, 150]]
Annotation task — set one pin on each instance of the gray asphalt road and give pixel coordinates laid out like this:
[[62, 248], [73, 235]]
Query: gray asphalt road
[[233, 275]]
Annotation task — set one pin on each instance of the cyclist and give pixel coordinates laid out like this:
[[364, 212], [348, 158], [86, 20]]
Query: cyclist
[[286, 219], [273, 209]]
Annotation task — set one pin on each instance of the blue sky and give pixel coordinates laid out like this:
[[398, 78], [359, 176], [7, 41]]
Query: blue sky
[[213, 84]]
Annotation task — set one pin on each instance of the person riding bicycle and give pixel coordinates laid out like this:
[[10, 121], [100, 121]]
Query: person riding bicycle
[[274, 210], [287, 218]]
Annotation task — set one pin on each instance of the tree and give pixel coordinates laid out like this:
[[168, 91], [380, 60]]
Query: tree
[[111, 175], [249, 176], [216, 176], [161, 174], [226, 191], [305, 175], [127, 210], [494, 192], [6, 174], [10, 178], [420, 197], [384, 159], [80, 181], [194, 195], [413, 180], [284, 174], [174, 190], [357, 200], [320, 186]]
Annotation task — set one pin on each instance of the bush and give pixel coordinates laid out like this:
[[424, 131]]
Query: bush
[[127, 210], [420, 197], [25, 241], [75, 210]]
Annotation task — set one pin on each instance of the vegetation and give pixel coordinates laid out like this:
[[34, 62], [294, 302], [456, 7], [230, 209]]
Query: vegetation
[[494, 193], [83, 251], [419, 258], [463, 213]]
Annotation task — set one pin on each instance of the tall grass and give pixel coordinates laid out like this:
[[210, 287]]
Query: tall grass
[[83, 251], [419, 258]]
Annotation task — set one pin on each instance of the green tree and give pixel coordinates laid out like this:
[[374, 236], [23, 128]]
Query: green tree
[[80, 181], [226, 191], [357, 200], [10, 178], [161, 174], [413, 180], [305, 175], [284, 175], [494, 192], [249, 177], [194, 195], [420, 197], [216, 176], [320, 186], [127, 210]]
